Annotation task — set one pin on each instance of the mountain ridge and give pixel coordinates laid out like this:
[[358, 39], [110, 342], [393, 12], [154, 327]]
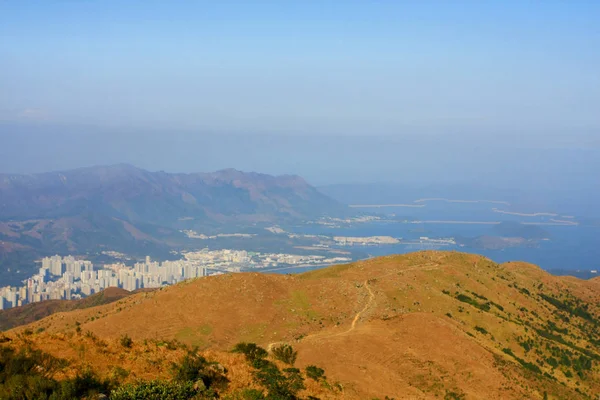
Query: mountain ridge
[[137, 212], [38, 195]]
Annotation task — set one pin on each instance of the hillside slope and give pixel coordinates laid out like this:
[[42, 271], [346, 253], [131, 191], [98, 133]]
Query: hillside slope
[[32, 312], [422, 325]]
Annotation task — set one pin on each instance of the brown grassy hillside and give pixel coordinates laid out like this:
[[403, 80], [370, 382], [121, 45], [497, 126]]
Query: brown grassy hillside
[[422, 325]]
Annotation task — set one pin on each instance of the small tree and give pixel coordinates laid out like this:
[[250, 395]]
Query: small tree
[[126, 341], [280, 385], [294, 379], [194, 368], [251, 350], [285, 353], [314, 372]]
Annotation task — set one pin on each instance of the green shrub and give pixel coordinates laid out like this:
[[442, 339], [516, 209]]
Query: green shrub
[[155, 390], [251, 350], [118, 373], [280, 385], [568, 374], [20, 387], [315, 373], [451, 395], [27, 374], [575, 307], [525, 291], [552, 326], [295, 381], [285, 353], [84, 385], [126, 341], [552, 361], [479, 296], [525, 364], [466, 299], [527, 345], [582, 363], [190, 368], [260, 363], [481, 330], [194, 368]]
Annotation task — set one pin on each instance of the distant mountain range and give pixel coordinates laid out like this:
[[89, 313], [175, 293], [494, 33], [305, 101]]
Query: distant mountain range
[[133, 194], [121, 207]]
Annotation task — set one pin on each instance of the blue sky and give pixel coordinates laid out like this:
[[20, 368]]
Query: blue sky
[[305, 67], [497, 71]]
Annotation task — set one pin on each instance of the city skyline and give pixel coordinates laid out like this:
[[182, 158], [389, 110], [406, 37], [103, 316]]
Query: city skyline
[[69, 277]]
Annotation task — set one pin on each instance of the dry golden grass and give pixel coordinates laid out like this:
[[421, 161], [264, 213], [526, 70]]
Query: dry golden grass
[[386, 326]]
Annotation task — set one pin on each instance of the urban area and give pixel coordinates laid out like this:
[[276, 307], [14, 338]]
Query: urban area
[[67, 278]]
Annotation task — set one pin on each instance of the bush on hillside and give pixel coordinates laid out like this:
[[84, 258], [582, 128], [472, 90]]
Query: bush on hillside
[[315, 373], [27, 374], [84, 385], [466, 299], [452, 395], [285, 353], [155, 390], [280, 385], [194, 368], [251, 350], [126, 341], [481, 330], [295, 381]]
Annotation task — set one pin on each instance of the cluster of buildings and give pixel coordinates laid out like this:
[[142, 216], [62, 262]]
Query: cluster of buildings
[[364, 241], [339, 222], [66, 278], [238, 260], [195, 235]]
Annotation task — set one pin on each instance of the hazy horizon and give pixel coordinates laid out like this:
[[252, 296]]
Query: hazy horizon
[[495, 94]]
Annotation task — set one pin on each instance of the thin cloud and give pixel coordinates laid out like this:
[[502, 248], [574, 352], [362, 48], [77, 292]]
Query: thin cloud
[[33, 114]]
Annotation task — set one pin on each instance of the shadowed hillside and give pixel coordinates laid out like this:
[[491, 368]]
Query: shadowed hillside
[[14, 317], [421, 325]]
